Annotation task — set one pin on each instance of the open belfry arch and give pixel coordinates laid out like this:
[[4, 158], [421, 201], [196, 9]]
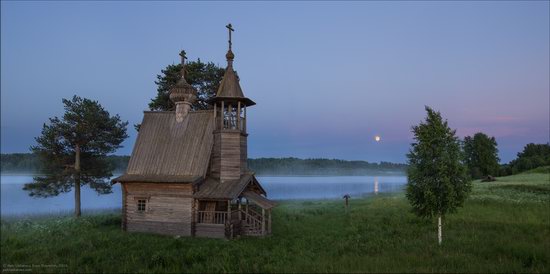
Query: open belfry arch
[[188, 172]]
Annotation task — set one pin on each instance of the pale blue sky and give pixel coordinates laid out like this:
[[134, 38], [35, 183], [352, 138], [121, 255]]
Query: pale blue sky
[[326, 76]]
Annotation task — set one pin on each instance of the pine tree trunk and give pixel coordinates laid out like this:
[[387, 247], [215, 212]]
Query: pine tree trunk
[[77, 182], [439, 230]]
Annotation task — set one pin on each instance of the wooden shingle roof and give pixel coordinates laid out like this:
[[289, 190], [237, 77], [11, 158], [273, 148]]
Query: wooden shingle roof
[[168, 151], [139, 178], [258, 199], [230, 88], [212, 188]]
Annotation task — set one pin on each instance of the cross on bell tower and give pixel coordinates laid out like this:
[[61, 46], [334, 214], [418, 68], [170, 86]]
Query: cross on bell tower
[[230, 56], [230, 29]]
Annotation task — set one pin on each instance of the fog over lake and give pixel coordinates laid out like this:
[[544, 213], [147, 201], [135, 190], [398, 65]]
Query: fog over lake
[[16, 201]]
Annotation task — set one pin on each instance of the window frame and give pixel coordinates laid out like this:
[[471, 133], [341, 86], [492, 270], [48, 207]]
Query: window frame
[[145, 204]]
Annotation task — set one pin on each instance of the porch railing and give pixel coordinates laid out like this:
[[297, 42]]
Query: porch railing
[[254, 222], [212, 217]]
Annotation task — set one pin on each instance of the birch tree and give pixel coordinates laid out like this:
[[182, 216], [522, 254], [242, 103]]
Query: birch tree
[[437, 177]]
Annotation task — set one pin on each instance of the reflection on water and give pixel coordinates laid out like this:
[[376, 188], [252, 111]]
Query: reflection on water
[[17, 201]]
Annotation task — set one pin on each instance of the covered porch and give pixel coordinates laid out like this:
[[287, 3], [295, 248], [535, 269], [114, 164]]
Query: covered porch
[[246, 212]]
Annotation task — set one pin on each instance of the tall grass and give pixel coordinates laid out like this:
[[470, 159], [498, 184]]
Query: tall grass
[[500, 229]]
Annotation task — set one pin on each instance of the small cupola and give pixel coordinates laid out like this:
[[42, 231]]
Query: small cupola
[[182, 93]]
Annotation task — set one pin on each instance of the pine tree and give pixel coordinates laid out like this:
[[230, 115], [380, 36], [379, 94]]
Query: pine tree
[[72, 150], [437, 178], [204, 77]]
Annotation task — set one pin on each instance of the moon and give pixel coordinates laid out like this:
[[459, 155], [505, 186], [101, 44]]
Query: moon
[[377, 138]]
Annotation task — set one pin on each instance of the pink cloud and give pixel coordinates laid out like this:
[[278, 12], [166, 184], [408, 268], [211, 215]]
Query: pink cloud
[[496, 131]]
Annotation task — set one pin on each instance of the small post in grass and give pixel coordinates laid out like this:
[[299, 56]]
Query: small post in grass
[[346, 198]]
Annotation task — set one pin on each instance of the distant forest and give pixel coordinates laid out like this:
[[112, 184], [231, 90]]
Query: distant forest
[[295, 166], [27, 162]]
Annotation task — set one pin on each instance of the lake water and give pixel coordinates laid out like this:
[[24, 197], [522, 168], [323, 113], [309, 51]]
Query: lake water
[[16, 201]]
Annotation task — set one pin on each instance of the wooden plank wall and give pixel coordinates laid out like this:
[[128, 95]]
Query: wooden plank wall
[[169, 208], [215, 160], [210, 230], [230, 156], [227, 155]]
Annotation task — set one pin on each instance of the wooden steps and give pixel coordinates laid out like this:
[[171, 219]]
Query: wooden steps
[[252, 224]]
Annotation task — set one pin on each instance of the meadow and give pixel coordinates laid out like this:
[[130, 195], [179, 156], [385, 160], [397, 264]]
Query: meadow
[[504, 226]]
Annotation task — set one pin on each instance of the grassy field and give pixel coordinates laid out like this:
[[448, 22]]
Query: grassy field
[[503, 227]]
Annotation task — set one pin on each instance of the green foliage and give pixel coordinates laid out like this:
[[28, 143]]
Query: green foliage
[[204, 77], [96, 172], [495, 232], [85, 125], [437, 179], [532, 156], [481, 154]]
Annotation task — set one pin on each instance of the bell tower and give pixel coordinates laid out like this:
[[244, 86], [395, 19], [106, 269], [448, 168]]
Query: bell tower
[[229, 155]]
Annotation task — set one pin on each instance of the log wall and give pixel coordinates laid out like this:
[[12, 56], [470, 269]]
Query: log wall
[[168, 209]]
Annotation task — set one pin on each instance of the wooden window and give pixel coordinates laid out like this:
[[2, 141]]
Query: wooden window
[[141, 205]]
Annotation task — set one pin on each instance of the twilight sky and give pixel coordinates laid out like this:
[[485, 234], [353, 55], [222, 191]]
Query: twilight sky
[[327, 77]]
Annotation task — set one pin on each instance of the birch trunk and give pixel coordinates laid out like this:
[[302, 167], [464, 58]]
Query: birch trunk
[[439, 230], [77, 182]]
